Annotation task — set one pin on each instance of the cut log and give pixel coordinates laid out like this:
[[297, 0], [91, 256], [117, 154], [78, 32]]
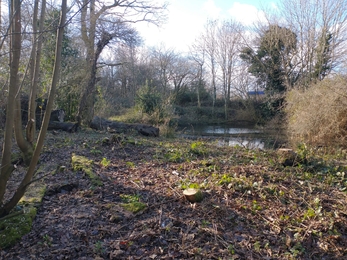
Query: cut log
[[193, 195], [65, 126], [99, 123]]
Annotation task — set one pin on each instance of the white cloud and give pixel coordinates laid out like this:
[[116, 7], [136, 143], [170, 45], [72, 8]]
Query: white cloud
[[181, 29], [211, 9], [274, 6], [186, 21], [245, 13]]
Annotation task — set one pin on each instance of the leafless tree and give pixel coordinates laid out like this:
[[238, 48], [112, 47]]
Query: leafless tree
[[208, 43], [181, 75], [228, 39], [321, 29], [197, 56], [102, 23], [162, 60], [6, 165]]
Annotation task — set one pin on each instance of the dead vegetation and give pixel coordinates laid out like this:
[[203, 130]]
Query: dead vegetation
[[317, 116], [253, 207]]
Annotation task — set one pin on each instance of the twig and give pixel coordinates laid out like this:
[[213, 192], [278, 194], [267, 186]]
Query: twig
[[160, 215]]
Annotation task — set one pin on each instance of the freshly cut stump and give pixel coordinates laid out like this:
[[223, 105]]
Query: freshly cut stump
[[193, 195]]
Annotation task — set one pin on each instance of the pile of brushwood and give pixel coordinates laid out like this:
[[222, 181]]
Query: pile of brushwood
[[116, 196]]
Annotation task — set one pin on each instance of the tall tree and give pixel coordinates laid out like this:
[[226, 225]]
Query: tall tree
[[228, 37], [321, 28], [15, 44], [210, 46], [270, 62], [162, 61], [197, 57], [7, 167], [100, 24]]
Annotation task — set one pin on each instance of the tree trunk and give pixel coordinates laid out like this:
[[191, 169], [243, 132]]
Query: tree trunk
[[36, 56], [25, 147], [6, 166], [6, 208], [86, 108]]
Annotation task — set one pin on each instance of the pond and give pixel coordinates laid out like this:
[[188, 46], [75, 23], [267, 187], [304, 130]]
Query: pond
[[249, 137]]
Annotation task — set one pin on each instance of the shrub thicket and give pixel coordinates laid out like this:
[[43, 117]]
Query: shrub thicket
[[318, 115]]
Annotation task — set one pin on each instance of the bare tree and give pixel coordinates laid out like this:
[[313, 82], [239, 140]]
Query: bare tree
[[181, 75], [197, 57], [6, 166], [228, 37], [26, 144], [321, 29], [162, 60], [15, 43], [100, 24], [35, 68], [209, 44]]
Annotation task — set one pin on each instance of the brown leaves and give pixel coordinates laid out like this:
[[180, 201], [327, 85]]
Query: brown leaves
[[250, 210]]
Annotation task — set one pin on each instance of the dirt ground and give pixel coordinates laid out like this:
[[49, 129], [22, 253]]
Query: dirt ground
[[253, 208]]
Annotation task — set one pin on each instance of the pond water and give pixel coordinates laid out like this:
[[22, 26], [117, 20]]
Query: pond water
[[249, 137]]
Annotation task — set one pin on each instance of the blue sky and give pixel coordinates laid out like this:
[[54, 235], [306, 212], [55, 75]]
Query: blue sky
[[186, 19]]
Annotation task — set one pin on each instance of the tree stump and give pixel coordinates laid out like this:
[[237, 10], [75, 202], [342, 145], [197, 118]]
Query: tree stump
[[193, 195]]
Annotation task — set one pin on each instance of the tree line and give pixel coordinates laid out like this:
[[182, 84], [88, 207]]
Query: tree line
[[41, 53], [89, 58]]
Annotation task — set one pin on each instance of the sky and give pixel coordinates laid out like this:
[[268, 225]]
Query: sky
[[187, 18]]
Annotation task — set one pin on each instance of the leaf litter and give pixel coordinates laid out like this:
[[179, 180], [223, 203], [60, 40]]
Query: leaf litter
[[253, 207]]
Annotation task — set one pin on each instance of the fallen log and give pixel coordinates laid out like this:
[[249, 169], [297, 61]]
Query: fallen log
[[65, 126], [99, 123]]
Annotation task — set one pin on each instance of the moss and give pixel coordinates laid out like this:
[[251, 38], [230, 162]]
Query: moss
[[81, 163], [13, 228], [134, 206], [19, 223], [34, 193]]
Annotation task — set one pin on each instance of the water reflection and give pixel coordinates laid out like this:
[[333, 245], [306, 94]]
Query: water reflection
[[228, 130], [232, 136], [250, 144]]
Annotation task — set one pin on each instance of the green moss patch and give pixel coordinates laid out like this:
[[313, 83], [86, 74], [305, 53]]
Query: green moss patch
[[13, 228], [134, 206], [81, 163], [34, 194], [19, 223]]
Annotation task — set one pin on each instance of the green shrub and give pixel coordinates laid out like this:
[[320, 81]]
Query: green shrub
[[148, 99]]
